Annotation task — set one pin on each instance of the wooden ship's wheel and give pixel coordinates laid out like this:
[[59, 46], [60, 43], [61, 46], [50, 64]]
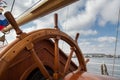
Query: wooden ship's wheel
[[37, 56], [40, 49]]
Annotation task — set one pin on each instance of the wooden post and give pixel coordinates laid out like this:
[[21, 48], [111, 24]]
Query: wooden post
[[56, 20]]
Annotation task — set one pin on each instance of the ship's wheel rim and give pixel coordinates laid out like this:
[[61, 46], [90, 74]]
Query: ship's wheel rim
[[42, 34]]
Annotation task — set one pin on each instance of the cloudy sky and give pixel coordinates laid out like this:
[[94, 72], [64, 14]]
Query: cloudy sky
[[95, 20]]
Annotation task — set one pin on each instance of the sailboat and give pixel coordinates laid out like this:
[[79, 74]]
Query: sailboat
[[36, 55]]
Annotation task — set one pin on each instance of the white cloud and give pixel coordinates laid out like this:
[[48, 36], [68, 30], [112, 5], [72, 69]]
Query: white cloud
[[78, 17], [29, 29], [88, 46], [83, 32], [88, 32], [86, 18], [46, 23], [109, 13], [106, 39], [101, 10]]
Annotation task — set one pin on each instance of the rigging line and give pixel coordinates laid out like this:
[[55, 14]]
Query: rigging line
[[12, 6], [67, 15], [29, 8], [67, 11], [116, 42]]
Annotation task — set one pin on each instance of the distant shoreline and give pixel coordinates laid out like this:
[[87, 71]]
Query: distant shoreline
[[101, 56]]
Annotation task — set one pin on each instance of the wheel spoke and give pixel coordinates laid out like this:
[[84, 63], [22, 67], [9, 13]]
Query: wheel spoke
[[70, 56], [73, 43], [56, 59], [68, 61], [40, 64]]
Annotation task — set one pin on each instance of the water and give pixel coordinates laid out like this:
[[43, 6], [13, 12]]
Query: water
[[94, 65]]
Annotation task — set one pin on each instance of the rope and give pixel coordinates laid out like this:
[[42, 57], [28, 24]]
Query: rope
[[116, 42], [28, 9], [67, 13], [12, 6]]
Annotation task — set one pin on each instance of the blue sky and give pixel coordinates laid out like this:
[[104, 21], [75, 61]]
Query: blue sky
[[95, 20]]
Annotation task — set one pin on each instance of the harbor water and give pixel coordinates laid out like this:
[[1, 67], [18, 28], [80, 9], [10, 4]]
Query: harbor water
[[94, 66]]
